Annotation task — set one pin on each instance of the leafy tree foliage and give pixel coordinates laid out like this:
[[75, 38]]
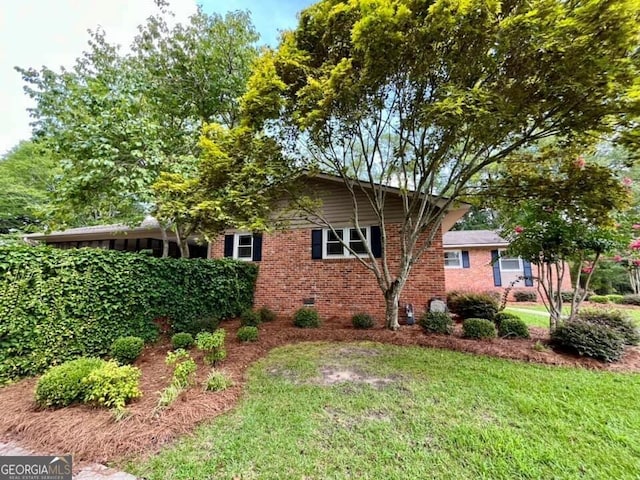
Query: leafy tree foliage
[[27, 176], [558, 210], [425, 95], [120, 119]]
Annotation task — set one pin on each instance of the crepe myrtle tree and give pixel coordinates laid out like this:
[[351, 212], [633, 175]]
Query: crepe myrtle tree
[[556, 211], [422, 96]]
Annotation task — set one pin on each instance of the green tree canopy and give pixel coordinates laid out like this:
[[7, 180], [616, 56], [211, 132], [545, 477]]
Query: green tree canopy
[[119, 119], [424, 95], [27, 177]]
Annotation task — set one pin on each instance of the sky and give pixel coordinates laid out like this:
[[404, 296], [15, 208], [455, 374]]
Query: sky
[[34, 33]]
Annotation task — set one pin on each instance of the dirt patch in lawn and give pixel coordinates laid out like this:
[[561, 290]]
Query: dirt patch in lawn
[[92, 435]]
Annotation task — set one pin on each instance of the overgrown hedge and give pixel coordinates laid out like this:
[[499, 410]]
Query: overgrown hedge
[[56, 304]]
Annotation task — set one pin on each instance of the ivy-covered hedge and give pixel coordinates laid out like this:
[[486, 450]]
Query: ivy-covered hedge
[[57, 305]]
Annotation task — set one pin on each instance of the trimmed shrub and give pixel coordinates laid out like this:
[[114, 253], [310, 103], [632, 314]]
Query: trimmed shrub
[[479, 328], [599, 299], [362, 321], [217, 381], [267, 315], [125, 350], [437, 322], [567, 296], [630, 299], [500, 316], [513, 328], [615, 319], [112, 386], [475, 305], [183, 341], [589, 339], [248, 334], [212, 344], [525, 296], [57, 305], [615, 298], [63, 385], [452, 300], [250, 318], [306, 318]]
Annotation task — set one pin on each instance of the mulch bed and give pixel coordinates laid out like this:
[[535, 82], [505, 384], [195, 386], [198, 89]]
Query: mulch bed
[[92, 435]]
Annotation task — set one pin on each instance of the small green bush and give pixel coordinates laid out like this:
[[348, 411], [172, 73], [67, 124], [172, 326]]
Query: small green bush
[[217, 381], [615, 319], [513, 328], [182, 340], [599, 299], [63, 385], [479, 328], [112, 386], [525, 296], [184, 369], [567, 295], [589, 339], [248, 334], [362, 321], [267, 315], [437, 322], [125, 350], [500, 316], [306, 318], [615, 298], [630, 299], [475, 305], [212, 344], [250, 318]]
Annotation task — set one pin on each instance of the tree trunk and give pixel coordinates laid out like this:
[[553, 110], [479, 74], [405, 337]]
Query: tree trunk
[[183, 242], [165, 242], [392, 300]]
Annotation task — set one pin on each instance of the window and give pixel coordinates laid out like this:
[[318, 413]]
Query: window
[[453, 259], [509, 263], [334, 249], [243, 246]]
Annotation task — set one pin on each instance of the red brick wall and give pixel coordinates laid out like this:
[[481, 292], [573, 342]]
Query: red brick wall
[[341, 287], [479, 276]]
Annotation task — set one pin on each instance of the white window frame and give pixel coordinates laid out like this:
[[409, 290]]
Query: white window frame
[[459, 252], [345, 235], [236, 246], [500, 258]]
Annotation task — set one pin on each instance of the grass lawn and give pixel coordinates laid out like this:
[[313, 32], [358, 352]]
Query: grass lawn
[[413, 413], [536, 320]]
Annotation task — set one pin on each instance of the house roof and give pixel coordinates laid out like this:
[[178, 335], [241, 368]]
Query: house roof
[[149, 228], [473, 238]]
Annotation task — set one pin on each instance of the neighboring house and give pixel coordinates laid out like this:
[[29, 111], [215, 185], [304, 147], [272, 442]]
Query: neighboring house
[[148, 236], [307, 265], [476, 261]]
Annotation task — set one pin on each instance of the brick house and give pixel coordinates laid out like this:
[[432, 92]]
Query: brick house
[[306, 264], [476, 261]]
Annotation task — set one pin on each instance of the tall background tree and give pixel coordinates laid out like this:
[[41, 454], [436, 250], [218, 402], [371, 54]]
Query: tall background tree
[[118, 119], [425, 95], [27, 178]]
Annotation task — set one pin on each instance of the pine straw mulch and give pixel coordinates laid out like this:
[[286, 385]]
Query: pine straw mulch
[[92, 435]]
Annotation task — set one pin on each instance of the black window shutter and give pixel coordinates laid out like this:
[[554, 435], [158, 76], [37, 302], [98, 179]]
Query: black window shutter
[[465, 259], [257, 247], [376, 241], [528, 276], [495, 260], [316, 244], [228, 245]]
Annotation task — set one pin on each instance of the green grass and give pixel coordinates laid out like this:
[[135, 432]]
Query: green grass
[[537, 320], [443, 415]]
